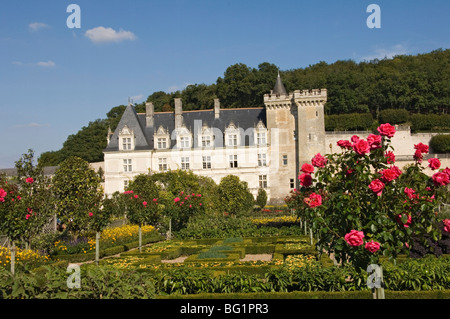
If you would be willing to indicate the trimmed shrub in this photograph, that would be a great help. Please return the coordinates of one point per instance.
(440, 143)
(349, 122)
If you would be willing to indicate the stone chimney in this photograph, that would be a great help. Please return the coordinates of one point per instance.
(216, 108)
(178, 113)
(149, 114)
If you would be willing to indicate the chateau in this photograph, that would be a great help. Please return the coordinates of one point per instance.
(263, 146)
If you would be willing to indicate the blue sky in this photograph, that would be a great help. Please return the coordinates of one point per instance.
(54, 79)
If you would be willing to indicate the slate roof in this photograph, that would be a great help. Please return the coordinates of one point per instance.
(243, 118)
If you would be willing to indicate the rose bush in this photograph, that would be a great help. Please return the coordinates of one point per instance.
(368, 206)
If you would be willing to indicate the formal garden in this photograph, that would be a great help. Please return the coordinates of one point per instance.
(178, 235)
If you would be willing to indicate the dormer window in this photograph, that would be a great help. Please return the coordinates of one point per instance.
(207, 137)
(232, 137)
(161, 139)
(184, 138)
(126, 139)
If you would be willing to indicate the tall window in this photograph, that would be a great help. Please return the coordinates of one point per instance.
(262, 181)
(185, 163)
(126, 143)
(261, 138)
(284, 159)
(232, 140)
(262, 160)
(127, 165)
(292, 183)
(233, 161)
(162, 164)
(184, 142)
(162, 142)
(206, 162)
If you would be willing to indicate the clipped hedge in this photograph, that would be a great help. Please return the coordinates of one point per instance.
(349, 122)
(430, 122)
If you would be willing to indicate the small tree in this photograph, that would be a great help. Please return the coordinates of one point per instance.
(261, 198)
(77, 192)
(235, 196)
(99, 219)
(140, 211)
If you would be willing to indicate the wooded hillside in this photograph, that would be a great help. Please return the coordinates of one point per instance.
(417, 84)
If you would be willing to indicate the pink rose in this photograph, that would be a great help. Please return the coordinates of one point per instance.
(3, 193)
(354, 238)
(27, 216)
(440, 179)
(344, 144)
(372, 246)
(354, 138)
(176, 199)
(314, 200)
(154, 199)
(434, 163)
(447, 225)
(374, 141)
(319, 160)
(386, 130)
(144, 203)
(410, 193)
(361, 147)
(29, 180)
(91, 214)
(377, 186)
(307, 168)
(305, 180)
(136, 196)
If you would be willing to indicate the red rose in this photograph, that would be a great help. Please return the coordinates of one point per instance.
(440, 179)
(434, 163)
(422, 148)
(410, 193)
(377, 187)
(29, 180)
(361, 147)
(418, 156)
(355, 138)
(313, 200)
(144, 203)
(386, 130)
(305, 180)
(446, 225)
(354, 238)
(408, 221)
(374, 141)
(372, 246)
(319, 160)
(390, 157)
(307, 168)
(389, 174)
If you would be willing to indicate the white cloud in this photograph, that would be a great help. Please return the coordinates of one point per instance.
(48, 64)
(137, 97)
(105, 35)
(37, 26)
(381, 53)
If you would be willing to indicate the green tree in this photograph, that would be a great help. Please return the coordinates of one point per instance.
(261, 198)
(77, 192)
(235, 197)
